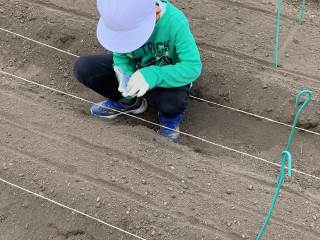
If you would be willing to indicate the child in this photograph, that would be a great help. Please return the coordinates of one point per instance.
(154, 54)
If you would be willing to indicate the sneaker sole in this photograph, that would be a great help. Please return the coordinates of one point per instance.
(141, 109)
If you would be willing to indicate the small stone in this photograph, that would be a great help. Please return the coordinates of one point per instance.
(98, 199)
(144, 182)
(250, 187)
(296, 41)
(5, 167)
(170, 188)
(165, 203)
(185, 187)
(229, 191)
(229, 224)
(153, 233)
(26, 226)
(244, 236)
(314, 218)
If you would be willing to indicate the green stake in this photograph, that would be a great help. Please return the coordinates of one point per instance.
(276, 50)
(286, 156)
(302, 10)
(278, 27)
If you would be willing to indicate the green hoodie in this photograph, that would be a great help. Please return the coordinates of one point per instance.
(170, 58)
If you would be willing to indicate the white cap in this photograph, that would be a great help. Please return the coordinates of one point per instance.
(125, 25)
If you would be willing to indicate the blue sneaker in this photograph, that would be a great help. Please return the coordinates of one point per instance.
(111, 109)
(170, 124)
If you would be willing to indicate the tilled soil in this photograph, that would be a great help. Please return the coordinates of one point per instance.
(121, 171)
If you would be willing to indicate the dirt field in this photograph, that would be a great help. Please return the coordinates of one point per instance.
(123, 173)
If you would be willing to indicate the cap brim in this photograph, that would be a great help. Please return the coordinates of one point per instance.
(125, 42)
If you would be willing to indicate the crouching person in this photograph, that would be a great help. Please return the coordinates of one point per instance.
(153, 53)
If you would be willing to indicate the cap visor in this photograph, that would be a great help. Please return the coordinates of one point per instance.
(125, 42)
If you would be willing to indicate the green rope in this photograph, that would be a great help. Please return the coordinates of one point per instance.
(276, 50)
(286, 156)
(302, 10)
(304, 93)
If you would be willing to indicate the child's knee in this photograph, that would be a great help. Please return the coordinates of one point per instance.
(173, 107)
(80, 69)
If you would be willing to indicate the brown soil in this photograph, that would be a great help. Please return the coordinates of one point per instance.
(121, 171)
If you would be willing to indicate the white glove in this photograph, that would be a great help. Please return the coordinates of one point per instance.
(122, 78)
(137, 86)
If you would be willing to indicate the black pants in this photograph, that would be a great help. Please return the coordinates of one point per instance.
(96, 72)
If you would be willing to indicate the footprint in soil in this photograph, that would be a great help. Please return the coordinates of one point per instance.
(3, 218)
(61, 39)
(78, 235)
(67, 40)
(74, 234)
(71, 235)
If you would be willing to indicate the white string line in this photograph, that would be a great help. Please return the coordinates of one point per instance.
(41, 43)
(191, 96)
(255, 115)
(159, 125)
(69, 208)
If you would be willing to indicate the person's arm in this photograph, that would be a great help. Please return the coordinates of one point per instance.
(124, 63)
(188, 68)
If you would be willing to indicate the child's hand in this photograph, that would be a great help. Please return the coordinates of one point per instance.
(122, 78)
(137, 86)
